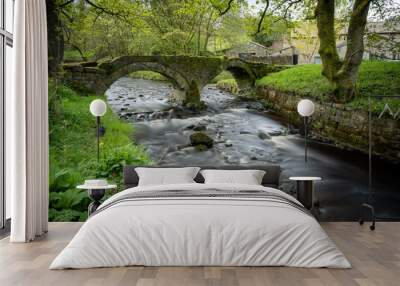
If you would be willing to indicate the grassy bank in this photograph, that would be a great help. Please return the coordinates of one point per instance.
(148, 75)
(375, 78)
(229, 85)
(73, 151)
(226, 81)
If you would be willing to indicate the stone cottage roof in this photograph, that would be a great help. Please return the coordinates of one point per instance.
(244, 45)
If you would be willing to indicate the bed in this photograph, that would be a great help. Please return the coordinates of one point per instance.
(198, 224)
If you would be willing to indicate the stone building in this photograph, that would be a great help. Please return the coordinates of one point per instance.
(249, 49)
(382, 41)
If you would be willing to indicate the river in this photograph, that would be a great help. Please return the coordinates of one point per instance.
(245, 133)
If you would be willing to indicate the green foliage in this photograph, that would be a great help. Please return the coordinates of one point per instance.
(379, 78)
(271, 30)
(228, 85)
(114, 159)
(222, 76)
(66, 215)
(73, 140)
(173, 27)
(376, 105)
(54, 101)
(61, 179)
(375, 78)
(305, 80)
(70, 199)
(148, 75)
(71, 54)
(73, 152)
(226, 81)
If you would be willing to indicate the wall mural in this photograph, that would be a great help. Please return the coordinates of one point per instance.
(212, 96)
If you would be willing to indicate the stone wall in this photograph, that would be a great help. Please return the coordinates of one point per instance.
(269, 60)
(346, 127)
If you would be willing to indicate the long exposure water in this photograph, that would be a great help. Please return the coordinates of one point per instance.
(244, 133)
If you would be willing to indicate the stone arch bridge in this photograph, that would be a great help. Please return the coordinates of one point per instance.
(188, 74)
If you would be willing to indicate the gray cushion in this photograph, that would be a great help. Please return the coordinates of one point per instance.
(270, 179)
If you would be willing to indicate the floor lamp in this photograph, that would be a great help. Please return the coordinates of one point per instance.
(98, 108)
(305, 108)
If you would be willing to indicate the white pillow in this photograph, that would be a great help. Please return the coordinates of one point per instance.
(247, 177)
(166, 176)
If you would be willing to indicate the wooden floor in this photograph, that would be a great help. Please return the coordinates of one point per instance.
(375, 257)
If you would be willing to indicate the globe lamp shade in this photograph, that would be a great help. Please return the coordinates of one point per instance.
(305, 107)
(98, 107)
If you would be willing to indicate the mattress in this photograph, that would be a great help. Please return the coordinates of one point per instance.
(201, 225)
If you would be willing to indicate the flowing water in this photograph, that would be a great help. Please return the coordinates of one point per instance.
(244, 133)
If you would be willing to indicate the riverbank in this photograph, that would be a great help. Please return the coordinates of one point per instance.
(73, 151)
(345, 125)
(375, 78)
(244, 133)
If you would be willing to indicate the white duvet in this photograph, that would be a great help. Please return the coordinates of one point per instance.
(200, 231)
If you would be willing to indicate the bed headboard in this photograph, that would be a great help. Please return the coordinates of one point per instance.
(271, 177)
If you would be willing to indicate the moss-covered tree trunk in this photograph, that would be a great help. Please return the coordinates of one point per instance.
(55, 36)
(342, 73)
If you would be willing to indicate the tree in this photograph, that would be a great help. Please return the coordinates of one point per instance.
(340, 72)
(55, 35)
(56, 28)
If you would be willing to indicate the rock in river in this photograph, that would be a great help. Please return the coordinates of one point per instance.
(201, 138)
(263, 135)
(200, 128)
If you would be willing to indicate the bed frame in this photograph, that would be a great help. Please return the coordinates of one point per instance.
(271, 177)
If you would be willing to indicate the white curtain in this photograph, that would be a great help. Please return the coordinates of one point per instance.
(27, 124)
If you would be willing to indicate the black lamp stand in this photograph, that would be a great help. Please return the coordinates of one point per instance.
(98, 137)
(368, 205)
(305, 137)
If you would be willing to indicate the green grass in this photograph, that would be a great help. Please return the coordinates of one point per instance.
(74, 55)
(148, 75)
(229, 85)
(226, 81)
(375, 78)
(73, 139)
(303, 80)
(222, 76)
(73, 151)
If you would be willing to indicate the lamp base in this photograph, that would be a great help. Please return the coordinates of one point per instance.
(95, 195)
(372, 209)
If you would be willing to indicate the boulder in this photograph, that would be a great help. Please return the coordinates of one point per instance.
(228, 144)
(201, 138)
(200, 128)
(263, 135)
(190, 127)
(201, 148)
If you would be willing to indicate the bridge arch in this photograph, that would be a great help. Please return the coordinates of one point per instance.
(242, 72)
(126, 65)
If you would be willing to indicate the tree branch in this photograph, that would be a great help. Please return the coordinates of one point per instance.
(355, 37)
(260, 22)
(104, 10)
(67, 16)
(65, 4)
(226, 10)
